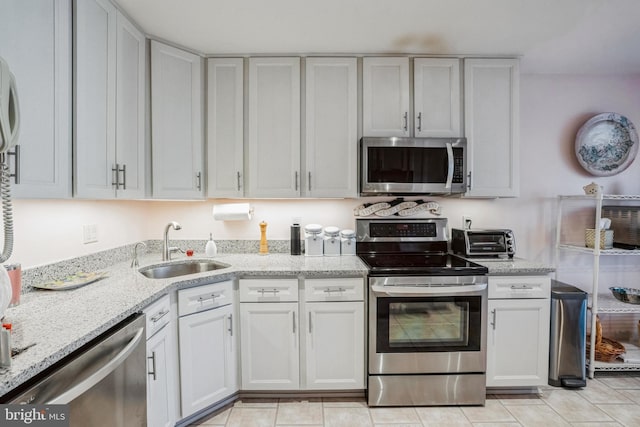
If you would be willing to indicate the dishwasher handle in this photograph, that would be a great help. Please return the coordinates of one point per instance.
(100, 373)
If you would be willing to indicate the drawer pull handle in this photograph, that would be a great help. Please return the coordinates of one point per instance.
(522, 287)
(231, 324)
(329, 290)
(213, 297)
(493, 319)
(159, 316)
(274, 291)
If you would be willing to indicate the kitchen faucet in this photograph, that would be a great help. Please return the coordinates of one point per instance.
(166, 250)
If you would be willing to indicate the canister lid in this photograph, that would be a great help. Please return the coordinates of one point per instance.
(313, 228)
(331, 231)
(347, 233)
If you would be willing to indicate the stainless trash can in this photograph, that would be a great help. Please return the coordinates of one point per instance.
(567, 347)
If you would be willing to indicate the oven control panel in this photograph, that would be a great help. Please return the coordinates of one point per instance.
(403, 229)
(399, 230)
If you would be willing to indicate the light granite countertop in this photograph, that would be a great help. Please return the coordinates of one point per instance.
(60, 322)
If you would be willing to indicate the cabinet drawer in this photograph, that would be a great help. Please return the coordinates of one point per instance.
(519, 287)
(205, 297)
(157, 315)
(334, 289)
(268, 290)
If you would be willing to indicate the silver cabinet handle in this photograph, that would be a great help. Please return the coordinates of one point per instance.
(238, 178)
(231, 324)
(124, 176)
(294, 322)
(296, 180)
(153, 365)
(493, 319)
(212, 297)
(310, 326)
(522, 287)
(329, 290)
(199, 181)
(100, 374)
(469, 180)
(115, 178)
(309, 181)
(419, 121)
(406, 120)
(16, 158)
(159, 316)
(274, 291)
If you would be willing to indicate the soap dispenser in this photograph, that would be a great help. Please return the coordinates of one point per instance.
(211, 249)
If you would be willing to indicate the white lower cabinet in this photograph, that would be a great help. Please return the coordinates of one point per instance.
(270, 346)
(161, 365)
(208, 351)
(316, 343)
(335, 345)
(518, 331)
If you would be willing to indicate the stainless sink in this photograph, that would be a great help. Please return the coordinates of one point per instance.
(180, 268)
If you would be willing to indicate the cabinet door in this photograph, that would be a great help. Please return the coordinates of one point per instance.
(95, 98)
(161, 390)
(176, 123)
(331, 139)
(225, 170)
(436, 89)
(385, 97)
(270, 352)
(491, 105)
(130, 109)
(274, 127)
(207, 358)
(35, 40)
(335, 345)
(518, 342)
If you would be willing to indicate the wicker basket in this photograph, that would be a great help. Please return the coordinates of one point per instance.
(606, 238)
(607, 350)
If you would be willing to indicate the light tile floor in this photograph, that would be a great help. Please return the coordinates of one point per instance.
(608, 400)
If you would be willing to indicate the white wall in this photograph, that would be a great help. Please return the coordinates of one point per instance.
(553, 107)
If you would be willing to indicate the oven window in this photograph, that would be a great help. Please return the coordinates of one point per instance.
(428, 324)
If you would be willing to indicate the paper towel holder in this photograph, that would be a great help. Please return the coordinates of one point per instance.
(233, 212)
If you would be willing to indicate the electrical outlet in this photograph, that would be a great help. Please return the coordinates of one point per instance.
(90, 233)
(466, 222)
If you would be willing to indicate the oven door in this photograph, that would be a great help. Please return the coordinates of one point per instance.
(419, 328)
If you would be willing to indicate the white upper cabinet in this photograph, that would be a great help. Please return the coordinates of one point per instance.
(109, 103)
(491, 105)
(436, 88)
(130, 110)
(331, 139)
(225, 152)
(274, 127)
(176, 123)
(35, 40)
(385, 96)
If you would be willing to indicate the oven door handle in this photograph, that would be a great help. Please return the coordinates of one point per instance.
(407, 291)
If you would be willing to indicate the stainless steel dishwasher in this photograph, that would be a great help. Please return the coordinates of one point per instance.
(104, 383)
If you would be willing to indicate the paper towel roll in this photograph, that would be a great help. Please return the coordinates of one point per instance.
(232, 212)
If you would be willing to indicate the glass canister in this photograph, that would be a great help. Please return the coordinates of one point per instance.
(331, 241)
(348, 242)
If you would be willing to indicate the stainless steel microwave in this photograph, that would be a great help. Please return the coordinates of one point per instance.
(405, 166)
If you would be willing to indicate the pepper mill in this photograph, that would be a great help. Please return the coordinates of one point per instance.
(264, 248)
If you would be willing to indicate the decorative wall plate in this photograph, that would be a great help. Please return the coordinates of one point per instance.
(606, 144)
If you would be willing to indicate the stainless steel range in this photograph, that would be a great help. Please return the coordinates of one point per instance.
(427, 315)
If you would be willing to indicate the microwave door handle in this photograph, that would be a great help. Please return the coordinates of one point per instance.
(449, 166)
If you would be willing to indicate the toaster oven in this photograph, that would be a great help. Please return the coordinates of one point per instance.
(483, 243)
